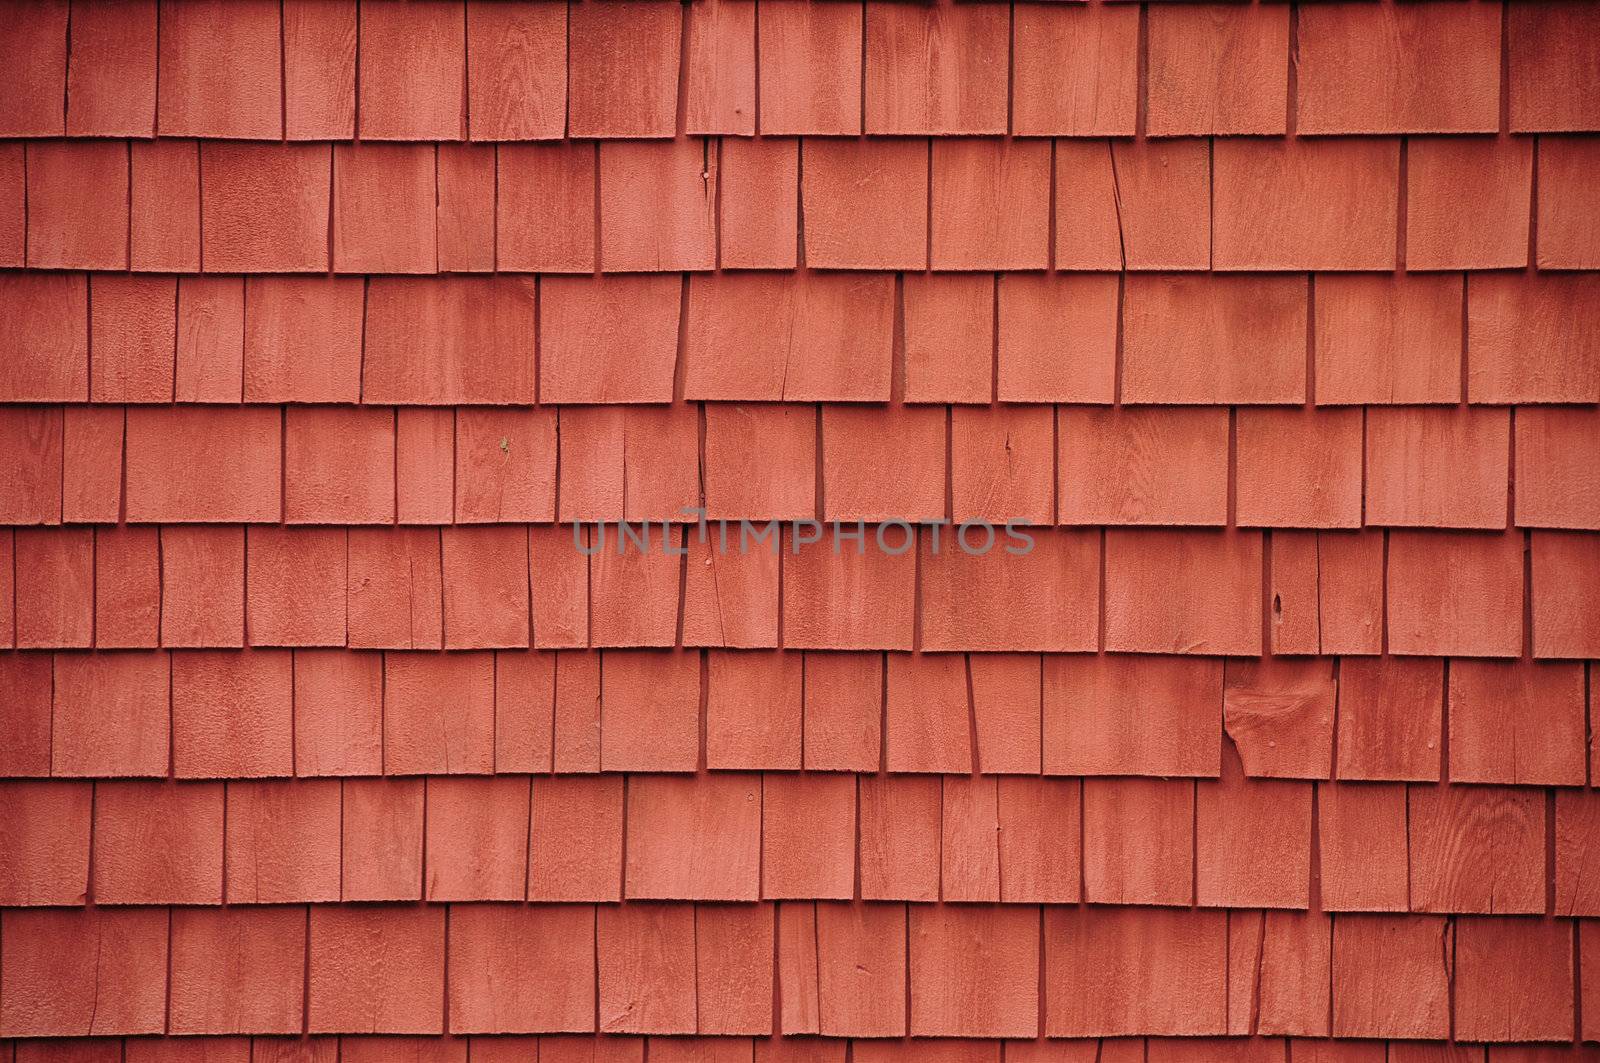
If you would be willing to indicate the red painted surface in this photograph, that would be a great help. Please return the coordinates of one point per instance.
(1270, 327)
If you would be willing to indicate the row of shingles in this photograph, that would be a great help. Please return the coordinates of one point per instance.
(625, 1049)
(503, 71)
(872, 203)
(1166, 591)
(1443, 467)
(805, 337)
(741, 837)
(875, 970)
(337, 713)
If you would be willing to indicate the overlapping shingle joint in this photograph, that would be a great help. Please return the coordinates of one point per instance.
(1270, 327)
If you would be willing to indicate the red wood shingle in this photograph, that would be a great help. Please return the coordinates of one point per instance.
(847, 600)
(694, 837)
(338, 465)
(658, 205)
(1565, 575)
(865, 203)
(127, 587)
(1183, 591)
(516, 71)
(990, 198)
(516, 970)
(1517, 722)
(411, 67)
(1075, 70)
(52, 312)
(1218, 69)
(283, 841)
(232, 714)
(623, 69)
(937, 69)
(1445, 467)
(1456, 593)
(1098, 960)
(394, 596)
(805, 337)
(950, 337)
(585, 324)
(546, 213)
(164, 189)
(720, 53)
(843, 714)
(111, 70)
(734, 970)
(385, 199)
(1143, 465)
(1370, 954)
(356, 950)
(810, 71)
(1090, 728)
(54, 588)
(1425, 68)
(287, 573)
(210, 350)
(1389, 719)
(1388, 339)
(1527, 340)
(974, 971)
(466, 208)
(1022, 590)
(202, 586)
(1057, 338)
(91, 690)
(475, 845)
(1299, 468)
(1568, 235)
(1185, 339)
(505, 465)
(1279, 713)
(319, 69)
(1495, 175)
(159, 843)
(652, 711)
(382, 846)
(1513, 979)
(1550, 44)
(927, 714)
(1253, 840)
(758, 220)
(575, 852)
(1461, 864)
(237, 970)
(242, 479)
(753, 709)
(35, 61)
(221, 70)
(438, 713)
(1306, 203)
(75, 972)
(861, 969)
(1138, 841)
(264, 207)
(1001, 464)
(338, 706)
(68, 181)
(133, 328)
(644, 952)
(440, 341)
(884, 464)
(44, 858)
